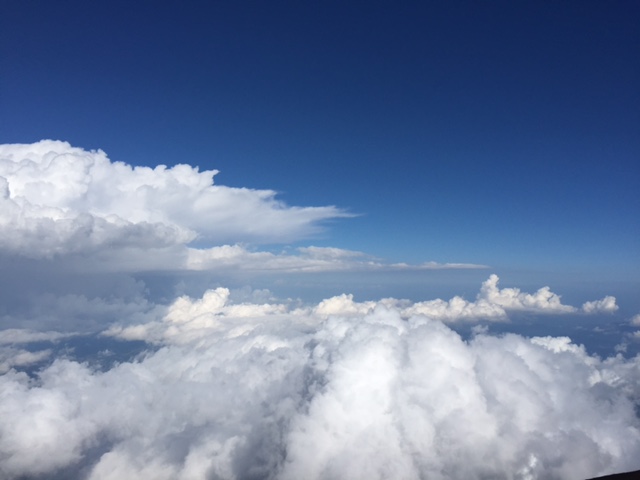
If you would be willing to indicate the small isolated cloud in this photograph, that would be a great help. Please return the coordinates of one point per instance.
(635, 320)
(605, 305)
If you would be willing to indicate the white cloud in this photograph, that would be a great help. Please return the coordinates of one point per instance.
(514, 299)
(16, 357)
(605, 305)
(457, 309)
(187, 318)
(343, 305)
(23, 335)
(264, 391)
(304, 259)
(491, 303)
(59, 199)
(635, 320)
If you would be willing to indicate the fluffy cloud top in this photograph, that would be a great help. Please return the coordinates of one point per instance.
(255, 390)
(607, 304)
(187, 318)
(55, 198)
(492, 303)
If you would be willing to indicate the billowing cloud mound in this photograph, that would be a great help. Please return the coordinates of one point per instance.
(56, 198)
(258, 391)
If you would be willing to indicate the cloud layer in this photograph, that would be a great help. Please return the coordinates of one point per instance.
(254, 390)
(341, 389)
(188, 318)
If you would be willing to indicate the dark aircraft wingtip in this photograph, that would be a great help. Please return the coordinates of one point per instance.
(620, 476)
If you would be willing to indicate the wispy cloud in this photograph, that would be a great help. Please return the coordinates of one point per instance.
(11, 357)
(305, 259)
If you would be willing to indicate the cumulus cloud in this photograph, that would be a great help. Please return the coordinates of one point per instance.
(491, 303)
(252, 390)
(187, 318)
(58, 199)
(514, 299)
(605, 305)
(543, 300)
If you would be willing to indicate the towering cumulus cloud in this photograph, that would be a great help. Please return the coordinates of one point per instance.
(235, 384)
(58, 199)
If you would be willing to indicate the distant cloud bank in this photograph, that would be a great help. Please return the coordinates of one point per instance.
(186, 317)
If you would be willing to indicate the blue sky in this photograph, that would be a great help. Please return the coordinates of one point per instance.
(505, 134)
(286, 240)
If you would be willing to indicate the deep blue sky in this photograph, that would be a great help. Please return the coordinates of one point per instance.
(501, 133)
